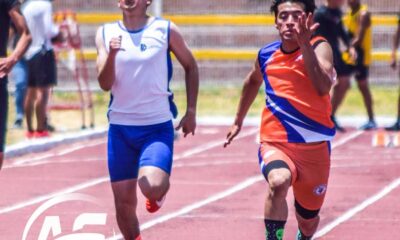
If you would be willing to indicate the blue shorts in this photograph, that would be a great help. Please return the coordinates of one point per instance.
(133, 147)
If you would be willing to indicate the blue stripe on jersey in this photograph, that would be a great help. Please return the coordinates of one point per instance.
(279, 104)
(172, 106)
(109, 104)
(104, 35)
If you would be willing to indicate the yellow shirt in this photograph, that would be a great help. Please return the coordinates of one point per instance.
(352, 22)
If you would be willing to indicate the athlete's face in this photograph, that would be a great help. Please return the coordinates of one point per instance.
(130, 5)
(287, 19)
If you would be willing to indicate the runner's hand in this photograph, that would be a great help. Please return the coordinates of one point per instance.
(187, 124)
(306, 29)
(115, 44)
(353, 54)
(6, 65)
(233, 132)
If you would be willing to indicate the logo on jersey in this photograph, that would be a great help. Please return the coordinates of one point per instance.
(320, 190)
(143, 47)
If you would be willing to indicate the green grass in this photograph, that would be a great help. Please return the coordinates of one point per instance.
(217, 101)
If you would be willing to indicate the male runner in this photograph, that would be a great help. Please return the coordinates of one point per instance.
(296, 127)
(358, 23)
(134, 63)
(329, 16)
(9, 10)
(393, 64)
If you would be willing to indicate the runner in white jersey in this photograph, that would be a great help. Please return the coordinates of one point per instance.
(134, 63)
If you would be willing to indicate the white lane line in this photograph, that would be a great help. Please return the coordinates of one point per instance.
(97, 181)
(218, 143)
(50, 155)
(213, 163)
(360, 207)
(189, 208)
(346, 139)
(51, 195)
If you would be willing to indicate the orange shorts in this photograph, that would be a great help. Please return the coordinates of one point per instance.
(309, 166)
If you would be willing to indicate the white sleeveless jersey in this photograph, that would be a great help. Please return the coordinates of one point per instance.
(140, 94)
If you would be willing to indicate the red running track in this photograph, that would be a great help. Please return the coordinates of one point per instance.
(216, 193)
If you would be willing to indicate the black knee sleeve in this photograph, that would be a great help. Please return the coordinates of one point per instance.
(305, 213)
(274, 165)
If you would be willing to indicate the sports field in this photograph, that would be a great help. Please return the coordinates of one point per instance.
(58, 187)
(213, 102)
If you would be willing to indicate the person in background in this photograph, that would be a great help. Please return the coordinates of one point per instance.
(19, 75)
(358, 23)
(9, 12)
(393, 64)
(329, 17)
(38, 14)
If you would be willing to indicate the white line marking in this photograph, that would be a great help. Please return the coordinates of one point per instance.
(353, 211)
(51, 195)
(346, 139)
(189, 208)
(49, 155)
(218, 143)
(213, 163)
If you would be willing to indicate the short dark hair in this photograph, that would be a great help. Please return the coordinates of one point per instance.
(309, 5)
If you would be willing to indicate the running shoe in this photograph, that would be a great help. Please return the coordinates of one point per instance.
(395, 127)
(337, 125)
(370, 125)
(41, 134)
(18, 124)
(300, 237)
(153, 207)
(30, 134)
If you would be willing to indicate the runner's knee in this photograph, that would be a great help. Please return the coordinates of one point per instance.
(279, 182)
(153, 189)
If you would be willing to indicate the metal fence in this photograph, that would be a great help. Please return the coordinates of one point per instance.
(211, 33)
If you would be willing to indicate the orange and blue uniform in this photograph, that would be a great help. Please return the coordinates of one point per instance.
(296, 127)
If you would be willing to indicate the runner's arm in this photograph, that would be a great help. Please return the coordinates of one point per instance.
(185, 57)
(252, 84)
(106, 61)
(319, 66)
(365, 22)
(18, 20)
(318, 61)
(396, 43)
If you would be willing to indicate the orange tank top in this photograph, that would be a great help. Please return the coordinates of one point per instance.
(294, 111)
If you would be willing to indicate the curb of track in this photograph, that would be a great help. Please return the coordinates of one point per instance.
(40, 145)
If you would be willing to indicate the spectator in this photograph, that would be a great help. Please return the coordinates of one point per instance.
(19, 75)
(331, 28)
(9, 11)
(38, 14)
(358, 22)
(396, 42)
